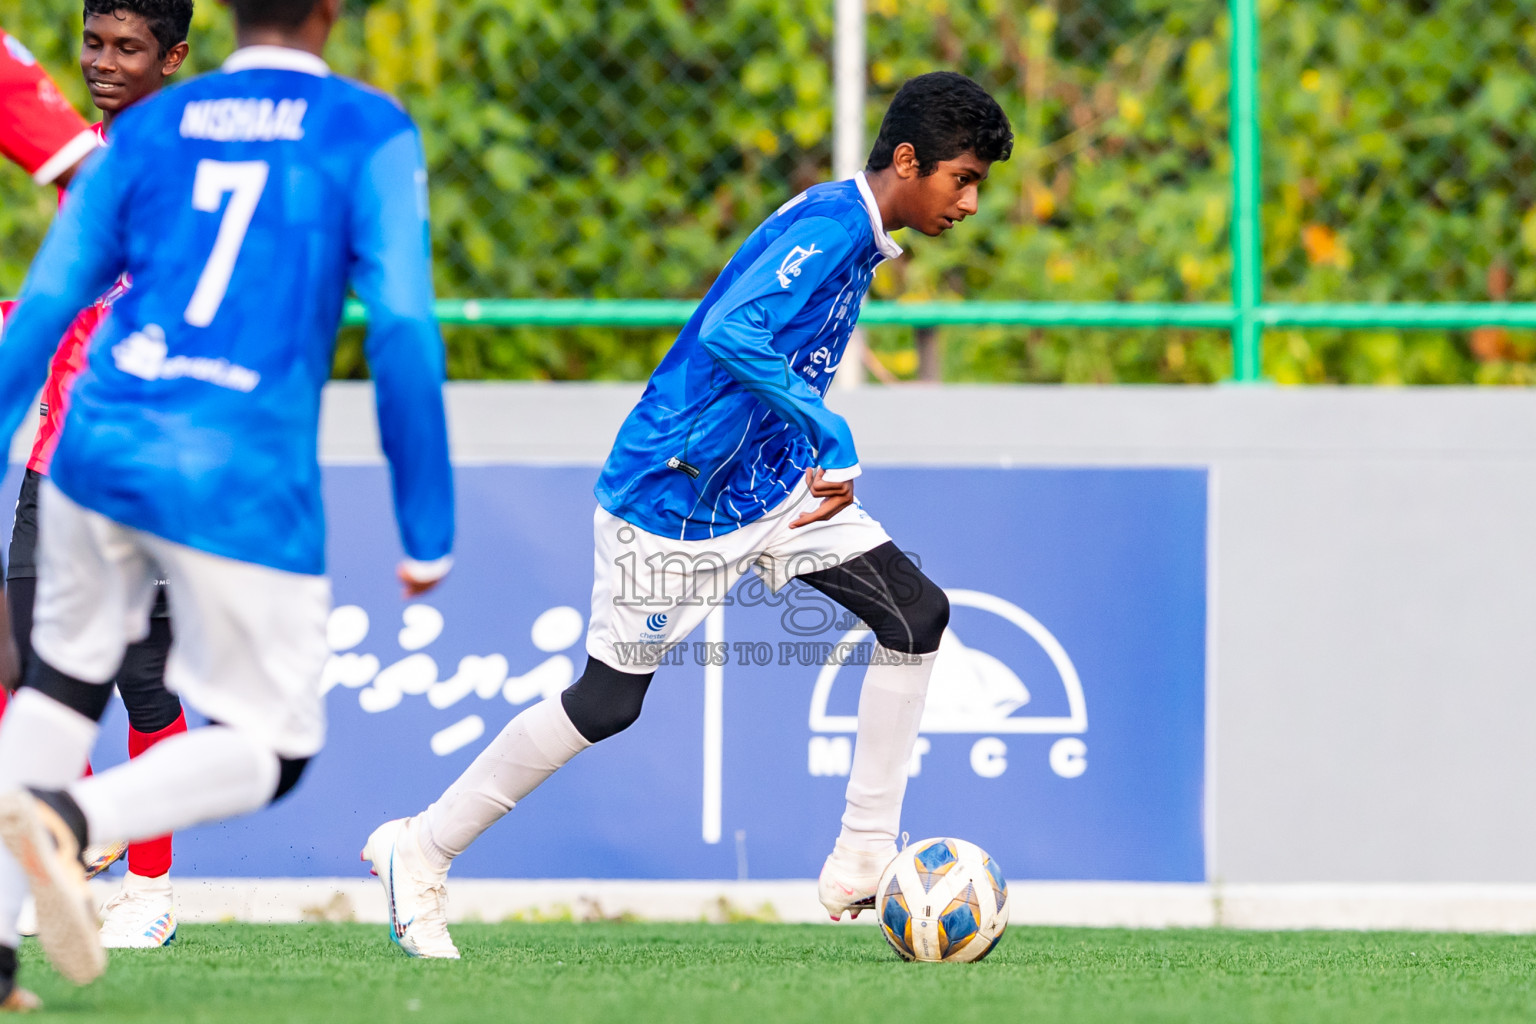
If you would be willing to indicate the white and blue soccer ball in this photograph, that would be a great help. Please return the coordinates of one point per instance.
(942, 900)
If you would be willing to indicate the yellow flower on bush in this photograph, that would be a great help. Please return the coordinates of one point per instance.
(1196, 273)
(1132, 110)
(902, 362)
(1324, 247)
(1528, 231)
(1042, 201)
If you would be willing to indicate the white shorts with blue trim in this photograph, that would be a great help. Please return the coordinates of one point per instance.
(650, 592)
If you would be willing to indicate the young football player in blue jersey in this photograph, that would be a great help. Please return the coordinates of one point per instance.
(243, 204)
(731, 462)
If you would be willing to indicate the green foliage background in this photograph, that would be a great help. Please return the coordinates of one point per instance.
(623, 149)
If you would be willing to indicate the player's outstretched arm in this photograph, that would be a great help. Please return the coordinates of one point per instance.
(81, 256)
(392, 275)
(39, 131)
(739, 332)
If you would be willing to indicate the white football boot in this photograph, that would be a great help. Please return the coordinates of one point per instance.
(415, 890)
(141, 916)
(849, 879)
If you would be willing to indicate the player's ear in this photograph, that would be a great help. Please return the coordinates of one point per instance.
(904, 161)
(173, 59)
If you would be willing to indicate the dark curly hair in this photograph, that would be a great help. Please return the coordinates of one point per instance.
(272, 13)
(168, 19)
(942, 114)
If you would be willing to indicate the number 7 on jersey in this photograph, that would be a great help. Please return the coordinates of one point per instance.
(244, 182)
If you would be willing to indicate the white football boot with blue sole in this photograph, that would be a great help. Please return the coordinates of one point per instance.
(416, 892)
(849, 879)
(141, 916)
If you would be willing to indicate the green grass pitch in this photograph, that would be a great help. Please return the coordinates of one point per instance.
(770, 973)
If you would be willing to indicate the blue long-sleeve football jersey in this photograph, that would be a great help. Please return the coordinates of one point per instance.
(243, 204)
(733, 415)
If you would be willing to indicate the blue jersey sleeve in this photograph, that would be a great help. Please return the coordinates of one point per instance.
(80, 258)
(739, 332)
(392, 275)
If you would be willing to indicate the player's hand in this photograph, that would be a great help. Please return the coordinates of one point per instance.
(834, 498)
(420, 577)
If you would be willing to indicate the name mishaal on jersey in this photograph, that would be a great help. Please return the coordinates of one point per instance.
(244, 120)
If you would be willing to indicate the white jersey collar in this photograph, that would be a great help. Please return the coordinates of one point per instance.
(275, 58)
(884, 242)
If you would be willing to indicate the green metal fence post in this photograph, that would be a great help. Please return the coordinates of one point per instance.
(1247, 265)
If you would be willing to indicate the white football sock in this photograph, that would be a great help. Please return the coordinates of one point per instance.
(890, 710)
(42, 744)
(206, 774)
(524, 754)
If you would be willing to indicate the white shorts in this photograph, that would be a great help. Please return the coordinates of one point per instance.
(249, 641)
(650, 592)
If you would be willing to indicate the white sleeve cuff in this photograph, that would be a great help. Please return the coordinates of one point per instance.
(73, 151)
(427, 572)
(837, 476)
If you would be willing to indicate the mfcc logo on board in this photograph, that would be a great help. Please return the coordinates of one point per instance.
(975, 690)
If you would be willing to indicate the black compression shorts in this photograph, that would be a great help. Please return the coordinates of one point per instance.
(23, 560)
(141, 678)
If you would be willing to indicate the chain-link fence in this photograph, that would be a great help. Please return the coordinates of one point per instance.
(1118, 189)
(623, 149)
(601, 150)
(1400, 165)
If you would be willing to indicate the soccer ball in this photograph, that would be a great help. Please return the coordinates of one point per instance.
(942, 899)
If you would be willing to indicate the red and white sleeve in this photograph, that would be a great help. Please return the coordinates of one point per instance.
(39, 130)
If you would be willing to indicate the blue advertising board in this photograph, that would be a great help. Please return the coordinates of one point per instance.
(1064, 732)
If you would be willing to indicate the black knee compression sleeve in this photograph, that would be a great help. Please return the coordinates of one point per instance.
(19, 595)
(906, 610)
(604, 700)
(141, 681)
(90, 699)
(289, 771)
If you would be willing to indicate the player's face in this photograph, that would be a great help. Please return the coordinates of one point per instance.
(120, 58)
(948, 195)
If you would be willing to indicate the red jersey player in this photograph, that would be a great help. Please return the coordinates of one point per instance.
(128, 49)
(43, 135)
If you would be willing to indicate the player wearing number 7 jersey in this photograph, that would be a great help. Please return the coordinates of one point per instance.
(244, 204)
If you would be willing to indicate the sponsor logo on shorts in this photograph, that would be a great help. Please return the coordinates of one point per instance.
(655, 629)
